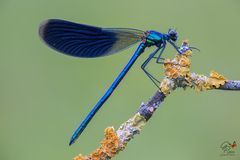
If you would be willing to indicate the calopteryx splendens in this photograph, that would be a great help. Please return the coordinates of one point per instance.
(82, 40)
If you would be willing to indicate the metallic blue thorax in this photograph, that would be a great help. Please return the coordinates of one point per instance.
(154, 38)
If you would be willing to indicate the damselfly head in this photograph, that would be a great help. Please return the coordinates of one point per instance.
(173, 35)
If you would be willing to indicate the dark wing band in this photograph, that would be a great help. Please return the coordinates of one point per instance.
(82, 40)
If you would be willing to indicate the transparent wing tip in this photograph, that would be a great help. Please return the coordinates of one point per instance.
(43, 26)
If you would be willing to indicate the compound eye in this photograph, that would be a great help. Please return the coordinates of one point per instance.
(174, 37)
(173, 34)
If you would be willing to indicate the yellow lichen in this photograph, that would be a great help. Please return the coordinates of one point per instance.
(188, 53)
(201, 83)
(138, 121)
(166, 86)
(216, 75)
(184, 61)
(216, 79)
(184, 71)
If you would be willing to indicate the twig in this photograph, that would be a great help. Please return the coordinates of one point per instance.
(177, 74)
(231, 85)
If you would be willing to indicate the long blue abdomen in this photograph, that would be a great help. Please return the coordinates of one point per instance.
(85, 122)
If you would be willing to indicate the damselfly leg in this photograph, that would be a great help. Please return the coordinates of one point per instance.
(155, 81)
(159, 58)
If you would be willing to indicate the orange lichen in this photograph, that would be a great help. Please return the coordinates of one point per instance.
(98, 154)
(179, 66)
(80, 157)
(111, 142)
(170, 70)
(109, 147)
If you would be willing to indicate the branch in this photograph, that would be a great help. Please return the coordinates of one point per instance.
(177, 75)
(116, 141)
(231, 85)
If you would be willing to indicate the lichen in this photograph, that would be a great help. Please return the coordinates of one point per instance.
(128, 129)
(109, 147)
(178, 74)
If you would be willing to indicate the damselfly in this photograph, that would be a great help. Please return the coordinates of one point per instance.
(82, 40)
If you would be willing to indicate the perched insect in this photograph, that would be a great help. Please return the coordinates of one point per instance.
(82, 40)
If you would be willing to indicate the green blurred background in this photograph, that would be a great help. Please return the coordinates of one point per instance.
(45, 95)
